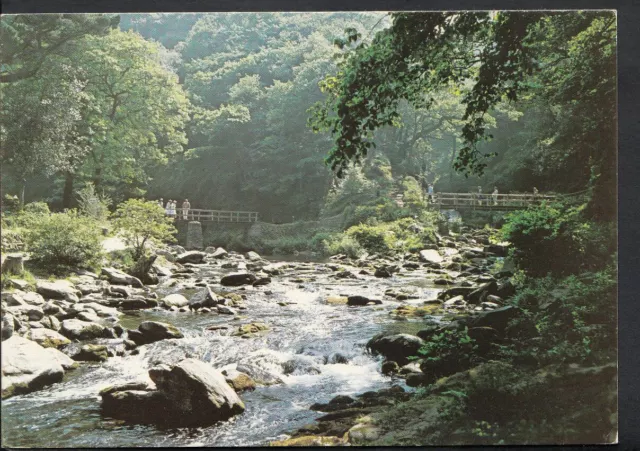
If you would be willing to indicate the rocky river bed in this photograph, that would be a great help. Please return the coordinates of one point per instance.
(294, 339)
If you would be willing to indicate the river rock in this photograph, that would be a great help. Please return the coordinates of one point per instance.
(198, 394)
(7, 326)
(361, 300)
(239, 381)
(205, 298)
(32, 298)
(152, 331)
(479, 295)
(259, 375)
(237, 279)
(137, 304)
(51, 322)
(250, 330)
(226, 310)
(191, 257)
(174, 300)
(395, 347)
(253, 256)
(497, 319)
(48, 338)
(87, 353)
(13, 299)
(60, 289)
(117, 277)
(216, 252)
(430, 256)
(27, 366)
(76, 329)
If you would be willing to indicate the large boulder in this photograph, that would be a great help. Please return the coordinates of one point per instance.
(152, 331)
(48, 338)
(27, 366)
(60, 289)
(117, 277)
(398, 347)
(237, 279)
(430, 256)
(497, 319)
(191, 257)
(191, 394)
(479, 295)
(76, 329)
(253, 256)
(205, 298)
(175, 300)
(218, 253)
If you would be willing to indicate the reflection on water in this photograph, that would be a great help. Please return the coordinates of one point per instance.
(309, 332)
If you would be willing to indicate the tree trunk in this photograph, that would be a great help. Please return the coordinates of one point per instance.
(97, 177)
(67, 193)
(453, 158)
(24, 186)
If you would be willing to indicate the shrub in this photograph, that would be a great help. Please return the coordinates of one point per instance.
(64, 241)
(556, 238)
(341, 243)
(141, 222)
(372, 238)
(37, 208)
(94, 204)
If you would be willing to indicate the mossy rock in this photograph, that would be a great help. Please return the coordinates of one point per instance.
(417, 311)
(310, 440)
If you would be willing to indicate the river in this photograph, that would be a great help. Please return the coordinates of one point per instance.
(310, 334)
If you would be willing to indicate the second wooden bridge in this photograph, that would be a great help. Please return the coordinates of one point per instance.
(197, 214)
(477, 201)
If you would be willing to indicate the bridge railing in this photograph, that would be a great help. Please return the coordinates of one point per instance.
(197, 214)
(488, 199)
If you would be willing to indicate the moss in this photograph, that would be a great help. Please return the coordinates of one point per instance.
(417, 311)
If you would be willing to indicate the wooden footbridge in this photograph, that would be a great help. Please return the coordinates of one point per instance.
(476, 201)
(196, 214)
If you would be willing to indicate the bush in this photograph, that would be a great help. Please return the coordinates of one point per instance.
(141, 222)
(556, 238)
(340, 243)
(64, 241)
(94, 204)
(36, 208)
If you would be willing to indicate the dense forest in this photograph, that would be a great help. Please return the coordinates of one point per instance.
(227, 100)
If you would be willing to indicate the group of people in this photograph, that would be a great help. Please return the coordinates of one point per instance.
(171, 208)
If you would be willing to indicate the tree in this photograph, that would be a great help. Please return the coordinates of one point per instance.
(141, 222)
(30, 42)
(136, 113)
(41, 124)
(492, 57)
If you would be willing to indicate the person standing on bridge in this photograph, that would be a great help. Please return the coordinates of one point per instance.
(480, 196)
(161, 203)
(495, 195)
(430, 193)
(167, 208)
(185, 209)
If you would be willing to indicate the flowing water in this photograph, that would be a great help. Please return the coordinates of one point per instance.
(309, 334)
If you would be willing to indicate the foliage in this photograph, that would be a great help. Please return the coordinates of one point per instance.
(556, 237)
(407, 234)
(575, 316)
(339, 243)
(63, 241)
(31, 40)
(450, 348)
(93, 204)
(141, 223)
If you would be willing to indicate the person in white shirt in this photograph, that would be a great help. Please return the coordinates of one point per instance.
(495, 195)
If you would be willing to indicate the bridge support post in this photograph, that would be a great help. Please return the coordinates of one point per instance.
(194, 235)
